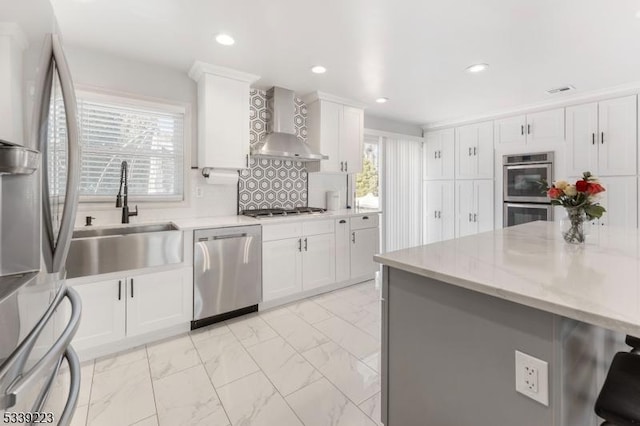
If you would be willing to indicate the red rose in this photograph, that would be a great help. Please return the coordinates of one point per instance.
(582, 185)
(594, 188)
(554, 193)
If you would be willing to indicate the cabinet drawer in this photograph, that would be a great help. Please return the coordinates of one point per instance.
(281, 231)
(318, 227)
(365, 221)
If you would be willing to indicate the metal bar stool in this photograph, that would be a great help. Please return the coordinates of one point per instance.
(619, 399)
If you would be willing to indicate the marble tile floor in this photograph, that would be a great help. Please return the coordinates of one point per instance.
(314, 363)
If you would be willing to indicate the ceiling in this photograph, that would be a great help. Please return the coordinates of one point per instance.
(411, 51)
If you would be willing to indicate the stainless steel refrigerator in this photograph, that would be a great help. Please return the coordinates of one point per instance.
(39, 173)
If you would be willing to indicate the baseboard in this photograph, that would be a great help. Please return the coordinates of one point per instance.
(313, 292)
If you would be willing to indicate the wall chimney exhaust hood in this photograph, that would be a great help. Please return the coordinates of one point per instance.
(281, 141)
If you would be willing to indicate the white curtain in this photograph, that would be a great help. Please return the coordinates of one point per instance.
(402, 193)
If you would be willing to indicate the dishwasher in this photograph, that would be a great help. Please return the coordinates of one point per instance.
(227, 273)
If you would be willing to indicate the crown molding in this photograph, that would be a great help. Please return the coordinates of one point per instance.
(565, 101)
(199, 68)
(13, 30)
(323, 96)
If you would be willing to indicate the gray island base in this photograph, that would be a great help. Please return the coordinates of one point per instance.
(449, 334)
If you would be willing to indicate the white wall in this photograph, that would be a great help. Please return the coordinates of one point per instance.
(392, 126)
(111, 73)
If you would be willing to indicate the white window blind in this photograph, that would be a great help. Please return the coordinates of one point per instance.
(150, 139)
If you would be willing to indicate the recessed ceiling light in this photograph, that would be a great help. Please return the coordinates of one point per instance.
(225, 39)
(318, 69)
(382, 100)
(477, 68)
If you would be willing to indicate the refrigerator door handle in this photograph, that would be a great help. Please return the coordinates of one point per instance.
(60, 248)
(52, 356)
(74, 388)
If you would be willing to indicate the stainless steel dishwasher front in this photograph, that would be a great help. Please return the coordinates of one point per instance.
(227, 273)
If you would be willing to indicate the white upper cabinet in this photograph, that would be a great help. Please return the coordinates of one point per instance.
(582, 146)
(601, 138)
(336, 129)
(617, 152)
(474, 151)
(511, 130)
(439, 155)
(621, 201)
(534, 128)
(223, 116)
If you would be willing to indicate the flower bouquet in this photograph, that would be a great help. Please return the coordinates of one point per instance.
(580, 201)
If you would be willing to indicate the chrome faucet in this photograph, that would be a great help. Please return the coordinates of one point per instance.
(124, 182)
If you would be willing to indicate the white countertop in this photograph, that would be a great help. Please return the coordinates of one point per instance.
(598, 283)
(226, 221)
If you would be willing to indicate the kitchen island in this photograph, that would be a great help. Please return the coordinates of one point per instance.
(455, 312)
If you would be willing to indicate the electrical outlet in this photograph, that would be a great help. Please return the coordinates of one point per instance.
(532, 378)
(199, 192)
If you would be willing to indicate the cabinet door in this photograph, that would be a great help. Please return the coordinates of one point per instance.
(466, 142)
(582, 139)
(620, 200)
(484, 151)
(223, 132)
(439, 155)
(281, 268)
(433, 212)
(545, 126)
(511, 130)
(617, 152)
(103, 313)
(483, 199)
(364, 245)
(447, 215)
(465, 208)
(318, 261)
(342, 253)
(351, 143)
(330, 134)
(159, 300)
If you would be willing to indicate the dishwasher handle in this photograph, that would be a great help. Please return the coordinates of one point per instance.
(227, 237)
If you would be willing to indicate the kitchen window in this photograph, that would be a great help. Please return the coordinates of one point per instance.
(150, 136)
(368, 181)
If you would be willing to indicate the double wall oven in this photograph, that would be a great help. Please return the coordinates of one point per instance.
(524, 198)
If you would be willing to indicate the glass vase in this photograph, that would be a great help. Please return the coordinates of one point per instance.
(573, 226)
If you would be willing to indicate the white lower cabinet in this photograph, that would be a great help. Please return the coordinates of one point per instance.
(281, 268)
(439, 211)
(364, 245)
(318, 261)
(130, 306)
(474, 207)
(343, 250)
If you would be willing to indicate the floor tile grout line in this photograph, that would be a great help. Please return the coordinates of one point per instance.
(374, 420)
(215, 390)
(93, 373)
(153, 388)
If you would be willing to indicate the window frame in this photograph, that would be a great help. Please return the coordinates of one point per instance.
(139, 101)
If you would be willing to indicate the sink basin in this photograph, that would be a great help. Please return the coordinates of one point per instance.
(123, 230)
(96, 251)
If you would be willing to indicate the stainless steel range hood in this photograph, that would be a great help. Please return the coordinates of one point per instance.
(281, 141)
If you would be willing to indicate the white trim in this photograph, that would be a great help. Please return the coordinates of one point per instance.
(323, 96)
(383, 134)
(564, 101)
(13, 30)
(199, 68)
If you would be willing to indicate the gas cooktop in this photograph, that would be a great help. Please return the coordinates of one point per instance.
(282, 212)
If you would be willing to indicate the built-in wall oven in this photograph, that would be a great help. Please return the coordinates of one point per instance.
(524, 198)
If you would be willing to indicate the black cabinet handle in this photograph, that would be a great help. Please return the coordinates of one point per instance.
(346, 166)
(602, 138)
(342, 166)
(522, 129)
(119, 289)
(343, 221)
(365, 217)
(299, 244)
(353, 237)
(305, 245)
(528, 129)
(132, 288)
(593, 138)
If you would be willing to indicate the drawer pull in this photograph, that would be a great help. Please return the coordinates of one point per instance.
(343, 221)
(365, 217)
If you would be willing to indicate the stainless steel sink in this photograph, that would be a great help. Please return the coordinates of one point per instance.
(124, 230)
(123, 248)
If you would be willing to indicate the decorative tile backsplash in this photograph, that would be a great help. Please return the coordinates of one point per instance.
(272, 183)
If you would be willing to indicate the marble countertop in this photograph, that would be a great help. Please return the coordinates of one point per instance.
(530, 264)
(226, 221)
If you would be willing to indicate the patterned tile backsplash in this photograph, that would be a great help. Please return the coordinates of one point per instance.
(272, 183)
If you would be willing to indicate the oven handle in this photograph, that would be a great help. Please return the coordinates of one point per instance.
(53, 354)
(527, 166)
